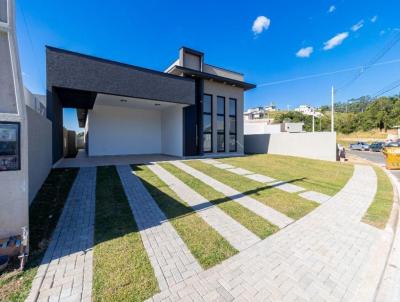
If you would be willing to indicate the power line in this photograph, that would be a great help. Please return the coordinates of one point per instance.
(387, 88)
(316, 75)
(372, 62)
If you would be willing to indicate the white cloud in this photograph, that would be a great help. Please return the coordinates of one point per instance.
(358, 25)
(374, 18)
(335, 41)
(305, 52)
(260, 23)
(331, 9)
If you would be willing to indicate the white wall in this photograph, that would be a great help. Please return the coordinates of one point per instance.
(260, 128)
(172, 131)
(314, 145)
(121, 131)
(39, 150)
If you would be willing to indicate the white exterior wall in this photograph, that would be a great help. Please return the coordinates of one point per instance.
(261, 128)
(172, 131)
(122, 131)
(314, 145)
(117, 130)
(39, 150)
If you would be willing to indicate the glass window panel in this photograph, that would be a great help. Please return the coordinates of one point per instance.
(232, 107)
(232, 143)
(207, 143)
(207, 103)
(207, 125)
(232, 125)
(220, 123)
(220, 105)
(221, 142)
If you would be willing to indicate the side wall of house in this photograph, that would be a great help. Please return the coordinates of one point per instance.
(172, 131)
(39, 150)
(227, 91)
(121, 131)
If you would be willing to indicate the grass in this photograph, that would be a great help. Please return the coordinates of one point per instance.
(291, 205)
(206, 244)
(255, 223)
(379, 211)
(122, 269)
(317, 175)
(44, 213)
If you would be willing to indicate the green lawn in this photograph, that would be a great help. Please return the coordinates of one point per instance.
(208, 246)
(122, 269)
(258, 225)
(321, 176)
(379, 211)
(44, 213)
(289, 204)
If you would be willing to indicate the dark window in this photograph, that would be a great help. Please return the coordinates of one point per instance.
(9, 146)
(232, 125)
(207, 123)
(220, 124)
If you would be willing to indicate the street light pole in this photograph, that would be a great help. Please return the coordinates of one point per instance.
(332, 109)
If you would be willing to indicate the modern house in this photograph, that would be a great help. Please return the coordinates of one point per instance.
(190, 109)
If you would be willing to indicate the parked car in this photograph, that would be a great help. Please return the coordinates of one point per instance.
(362, 146)
(376, 146)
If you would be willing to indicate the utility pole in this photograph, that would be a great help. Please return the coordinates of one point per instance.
(332, 109)
(313, 121)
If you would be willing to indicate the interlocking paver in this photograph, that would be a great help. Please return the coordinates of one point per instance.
(287, 187)
(236, 234)
(260, 178)
(240, 171)
(253, 205)
(69, 255)
(315, 196)
(285, 266)
(169, 255)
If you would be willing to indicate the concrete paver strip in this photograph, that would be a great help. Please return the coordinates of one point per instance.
(260, 178)
(210, 161)
(240, 171)
(170, 258)
(253, 205)
(287, 187)
(236, 234)
(315, 196)
(66, 269)
(321, 257)
(223, 166)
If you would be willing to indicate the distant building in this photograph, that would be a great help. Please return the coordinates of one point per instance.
(308, 110)
(259, 112)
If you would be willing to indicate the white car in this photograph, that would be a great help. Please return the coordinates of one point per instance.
(362, 146)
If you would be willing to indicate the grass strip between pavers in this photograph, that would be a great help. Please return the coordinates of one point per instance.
(122, 269)
(205, 243)
(253, 222)
(379, 211)
(289, 204)
(318, 175)
(44, 212)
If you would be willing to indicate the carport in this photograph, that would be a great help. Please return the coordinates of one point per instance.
(122, 107)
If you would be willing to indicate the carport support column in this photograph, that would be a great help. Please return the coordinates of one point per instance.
(55, 115)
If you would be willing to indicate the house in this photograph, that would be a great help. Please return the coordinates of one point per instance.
(190, 109)
(254, 113)
(308, 110)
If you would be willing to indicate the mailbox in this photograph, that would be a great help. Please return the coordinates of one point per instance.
(10, 154)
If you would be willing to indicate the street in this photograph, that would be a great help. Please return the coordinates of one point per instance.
(376, 157)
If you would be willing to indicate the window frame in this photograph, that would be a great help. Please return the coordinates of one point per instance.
(230, 132)
(211, 118)
(18, 145)
(221, 132)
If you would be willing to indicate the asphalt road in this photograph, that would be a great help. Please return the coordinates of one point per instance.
(376, 157)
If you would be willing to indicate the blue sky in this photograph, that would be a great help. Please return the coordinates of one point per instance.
(149, 34)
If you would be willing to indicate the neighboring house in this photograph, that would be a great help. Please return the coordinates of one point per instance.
(308, 110)
(36, 101)
(190, 109)
(259, 112)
